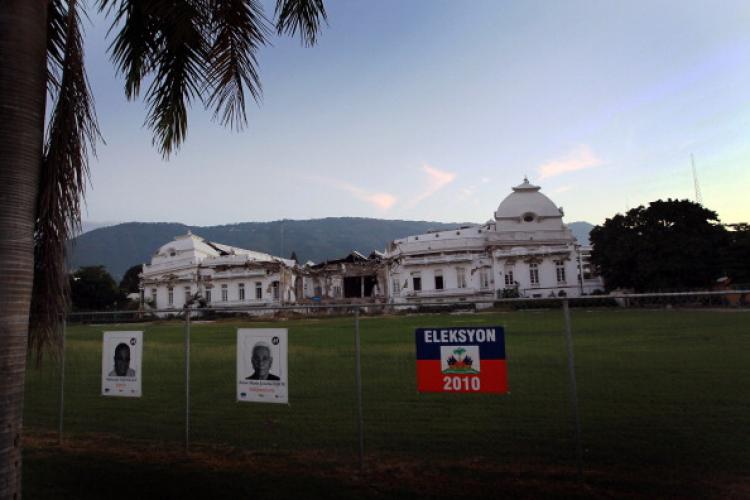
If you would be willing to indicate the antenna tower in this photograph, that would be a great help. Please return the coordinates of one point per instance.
(696, 186)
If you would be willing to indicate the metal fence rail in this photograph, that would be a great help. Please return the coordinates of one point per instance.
(362, 386)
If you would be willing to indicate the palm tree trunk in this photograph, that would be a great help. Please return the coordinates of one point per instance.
(23, 40)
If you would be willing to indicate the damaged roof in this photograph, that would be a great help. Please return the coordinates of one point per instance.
(353, 258)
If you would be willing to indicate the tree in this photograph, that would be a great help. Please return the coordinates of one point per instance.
(130, 282)
(667, 245)
(92, 288)
(190, 50)
(735, 261)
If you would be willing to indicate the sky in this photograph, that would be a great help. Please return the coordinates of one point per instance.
(434, 109)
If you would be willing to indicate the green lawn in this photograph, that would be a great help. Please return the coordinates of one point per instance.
(666, 388)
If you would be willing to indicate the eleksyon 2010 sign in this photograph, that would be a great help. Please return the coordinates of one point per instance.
(461, 359)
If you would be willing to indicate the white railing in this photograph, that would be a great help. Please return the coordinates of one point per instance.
(438, 259)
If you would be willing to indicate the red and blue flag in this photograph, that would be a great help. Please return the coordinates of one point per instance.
(461, 359)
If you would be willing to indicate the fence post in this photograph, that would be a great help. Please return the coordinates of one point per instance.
(62, 384)
(573, 389)
(358, 378)
(187, 380)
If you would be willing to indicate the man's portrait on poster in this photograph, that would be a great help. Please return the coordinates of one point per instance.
(122, 362)
(261, 361)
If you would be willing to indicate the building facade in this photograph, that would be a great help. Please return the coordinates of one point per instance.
(355, 278)
(524, 251)
(191, 270)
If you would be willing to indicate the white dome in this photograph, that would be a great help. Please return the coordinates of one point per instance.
(525, 201)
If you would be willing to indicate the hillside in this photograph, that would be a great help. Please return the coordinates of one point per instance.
(121, 246)
(581, 231)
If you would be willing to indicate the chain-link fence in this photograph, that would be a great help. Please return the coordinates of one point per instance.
(634, 382)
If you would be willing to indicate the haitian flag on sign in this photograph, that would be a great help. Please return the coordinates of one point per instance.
(461, 359)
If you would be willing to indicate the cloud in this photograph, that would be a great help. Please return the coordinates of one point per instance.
(436, 180)
(579, 158)
(383, 201)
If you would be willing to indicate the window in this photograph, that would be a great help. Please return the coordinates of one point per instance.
(438, 280)
(208, 295)
(188, 295)
(337, 291)
(224, 293)
(560, 268)
(417, 283)
(484, 278)
(534, 274)
(275, 289)
(460, 277)
(153, 296)
(170, 296)
(396, 287)
(241, 291)
(509, 277)
(258, 290)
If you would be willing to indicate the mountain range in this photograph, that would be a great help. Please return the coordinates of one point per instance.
(121, 246)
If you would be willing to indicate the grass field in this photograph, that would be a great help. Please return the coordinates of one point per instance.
(659, 390)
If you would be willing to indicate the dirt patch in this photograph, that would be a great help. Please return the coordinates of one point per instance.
(391, 475)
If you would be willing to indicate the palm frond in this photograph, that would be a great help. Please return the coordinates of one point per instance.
(237, 30)
(134, 47)
(305, 16)
(179, 71)
(71, 136)
(198, 49)
(56, 32)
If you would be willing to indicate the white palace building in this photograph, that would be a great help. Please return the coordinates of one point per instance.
(191, 270)
(524, 251)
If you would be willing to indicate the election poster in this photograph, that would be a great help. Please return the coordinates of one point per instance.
(262, 375)
(461, 359)
(122, 353)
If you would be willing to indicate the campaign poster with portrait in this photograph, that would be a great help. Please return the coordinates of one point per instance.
(262, 375)
(122, 353)
(461, 359)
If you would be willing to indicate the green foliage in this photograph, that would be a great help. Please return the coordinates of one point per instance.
(672, 244)
(736, 254)
(93, 289)
(130, 281)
